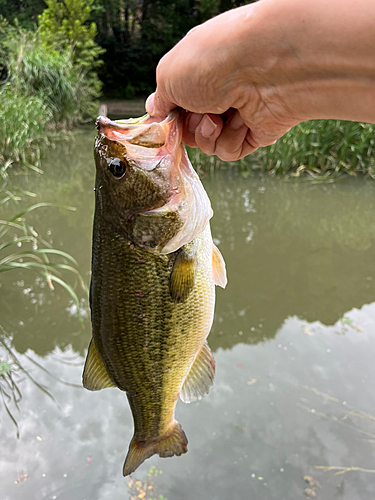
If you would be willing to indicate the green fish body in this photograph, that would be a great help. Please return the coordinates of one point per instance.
(154, 270)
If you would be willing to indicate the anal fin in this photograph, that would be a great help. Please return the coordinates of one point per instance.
(200, 377)
(95, 375)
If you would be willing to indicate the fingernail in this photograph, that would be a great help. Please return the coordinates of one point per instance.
(194, 121)
(149, 105)
(207, 127)
(236, 122)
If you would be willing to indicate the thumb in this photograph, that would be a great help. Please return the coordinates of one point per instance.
(158, 107)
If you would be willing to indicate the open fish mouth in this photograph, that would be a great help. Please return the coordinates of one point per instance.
(144, 138)
(155, 145)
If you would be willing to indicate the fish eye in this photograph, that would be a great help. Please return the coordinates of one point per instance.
(117, 167)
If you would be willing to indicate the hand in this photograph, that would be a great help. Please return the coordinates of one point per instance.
(249, 75)
(205, 73)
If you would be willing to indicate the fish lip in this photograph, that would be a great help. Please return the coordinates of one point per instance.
(104, 121)
(145, 131)
(146, 141)
(133, 123)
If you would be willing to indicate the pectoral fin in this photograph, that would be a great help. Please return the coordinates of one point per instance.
(95, 375)
(218, 268)
(183, 275)
(201, 376)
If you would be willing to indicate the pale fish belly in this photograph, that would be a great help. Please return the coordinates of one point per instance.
(192, 322)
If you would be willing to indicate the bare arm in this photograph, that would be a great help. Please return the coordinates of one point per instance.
(250, 74)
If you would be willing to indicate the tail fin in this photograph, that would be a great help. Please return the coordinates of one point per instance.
(174, 443)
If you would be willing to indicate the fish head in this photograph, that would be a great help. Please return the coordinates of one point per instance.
(146, 184)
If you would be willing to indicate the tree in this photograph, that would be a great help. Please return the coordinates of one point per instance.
(64, 26)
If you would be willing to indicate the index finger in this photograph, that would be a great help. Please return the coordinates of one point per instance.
(155, 106)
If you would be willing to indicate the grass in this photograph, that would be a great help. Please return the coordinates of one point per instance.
(320, 150)
(12, 374)
(342, 470)
(24, 120)
(22, 248)
(353, 414)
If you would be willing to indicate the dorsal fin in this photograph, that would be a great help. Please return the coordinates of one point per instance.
(200, 377)
(95, 375)
(218, 267)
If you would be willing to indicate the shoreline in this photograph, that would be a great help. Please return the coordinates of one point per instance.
(122, 108)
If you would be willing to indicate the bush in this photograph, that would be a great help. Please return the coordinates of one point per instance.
(323, 147)
(53, 77)
(42, 89)
(319, 148)
(24, 119)
(50, 75)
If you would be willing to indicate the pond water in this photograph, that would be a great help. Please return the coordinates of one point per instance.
(293, 338)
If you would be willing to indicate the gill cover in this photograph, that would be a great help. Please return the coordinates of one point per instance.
(153, 145)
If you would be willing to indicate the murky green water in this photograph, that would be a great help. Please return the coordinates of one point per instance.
(293, 338)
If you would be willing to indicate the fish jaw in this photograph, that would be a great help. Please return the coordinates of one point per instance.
(192, 205)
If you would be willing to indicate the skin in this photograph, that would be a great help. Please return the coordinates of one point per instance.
(249, 75)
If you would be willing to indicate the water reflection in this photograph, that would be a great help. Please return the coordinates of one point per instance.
(293, 335)
(279, 409)
(291, 249)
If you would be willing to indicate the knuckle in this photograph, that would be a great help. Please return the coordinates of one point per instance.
(226, 155)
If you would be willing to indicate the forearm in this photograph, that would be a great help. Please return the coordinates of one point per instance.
(315, 58)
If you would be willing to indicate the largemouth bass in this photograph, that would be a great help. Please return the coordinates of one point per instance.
(154, 270)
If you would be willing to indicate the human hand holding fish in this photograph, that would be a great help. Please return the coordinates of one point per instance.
(247, 76)
(154, 271)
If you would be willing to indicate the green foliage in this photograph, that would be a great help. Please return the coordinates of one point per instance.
(137, 33)
(42, 90)
(65, 90)
(4, 367)
(320, 149)
(145, 489)
(24, 119)
(64, 26)
(64, 29)
(24, 11)
(323, 147)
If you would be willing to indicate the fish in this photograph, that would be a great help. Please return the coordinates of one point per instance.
(154, 271)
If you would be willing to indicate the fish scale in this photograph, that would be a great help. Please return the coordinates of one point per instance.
(148, 355)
